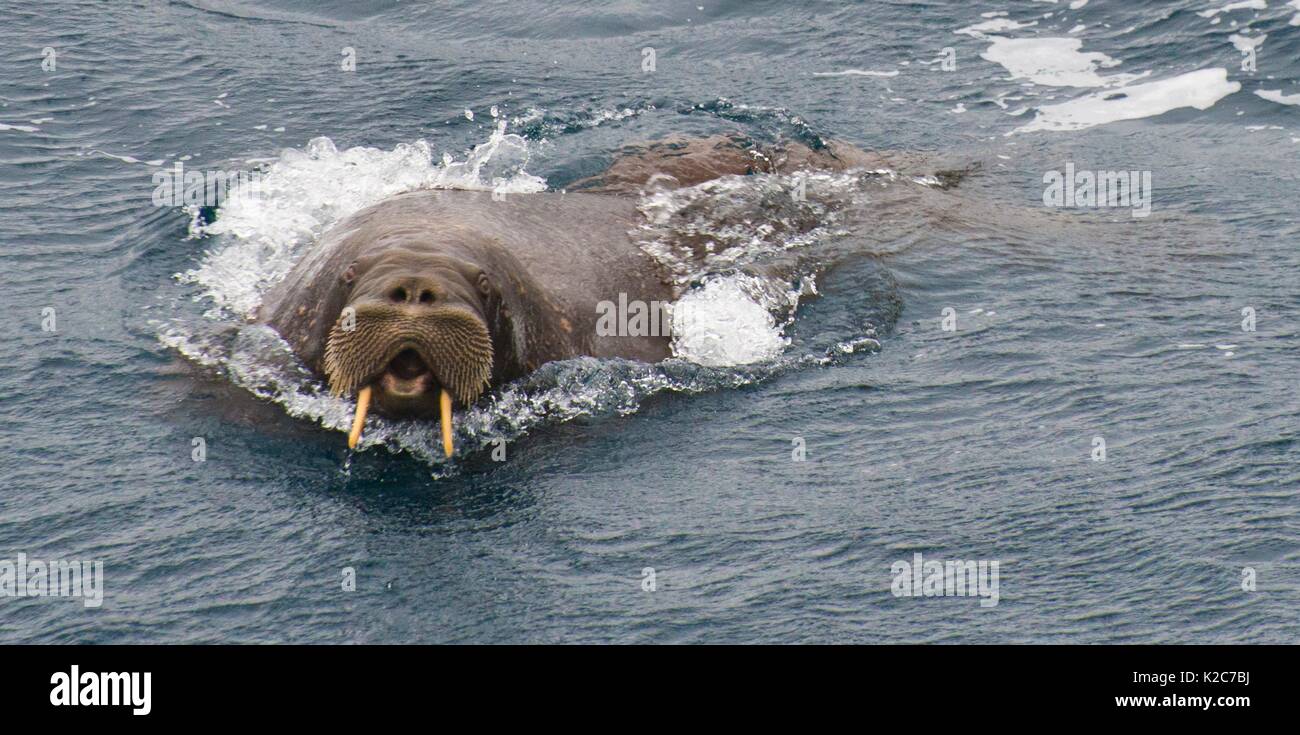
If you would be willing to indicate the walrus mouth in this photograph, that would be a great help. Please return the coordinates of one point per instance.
(412, 361)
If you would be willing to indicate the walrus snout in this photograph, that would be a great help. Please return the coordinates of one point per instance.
(411, 338)
(409, 351)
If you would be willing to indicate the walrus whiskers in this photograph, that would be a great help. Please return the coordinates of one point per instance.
(453, 344)
(359, 421)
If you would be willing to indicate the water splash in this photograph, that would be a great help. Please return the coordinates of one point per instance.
(303, 192)
(254, 357)
(735, 221)
(724, 243)
(725, 322)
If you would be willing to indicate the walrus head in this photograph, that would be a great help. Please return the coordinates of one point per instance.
(412, 337)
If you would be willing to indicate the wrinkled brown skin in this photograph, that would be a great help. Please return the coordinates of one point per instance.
(549, 257)
(690, 161)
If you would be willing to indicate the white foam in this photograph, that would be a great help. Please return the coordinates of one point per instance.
(303, 192)
(996, 25)
(1198, 89)
(125, 159)
(591, 118)
(1295, 19)
(712, 227)
(706, 235)
(1247, 43)
(255, 358)
(1243, 5)
(1276, 95)
(856, 73)
(721, 323)
(1053, 62)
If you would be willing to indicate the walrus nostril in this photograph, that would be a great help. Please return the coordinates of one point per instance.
(426, 297)
(398, 295)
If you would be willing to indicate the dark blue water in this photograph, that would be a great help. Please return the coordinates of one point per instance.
(973, 444)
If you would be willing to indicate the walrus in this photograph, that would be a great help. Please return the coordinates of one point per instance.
(429, 298)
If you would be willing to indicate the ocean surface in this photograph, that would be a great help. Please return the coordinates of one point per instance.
(1100, 400)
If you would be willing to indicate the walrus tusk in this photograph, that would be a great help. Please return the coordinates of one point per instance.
(359, 421)
(445, 400)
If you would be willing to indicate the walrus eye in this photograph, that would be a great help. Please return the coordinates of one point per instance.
(350, 274)
(484, 286)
